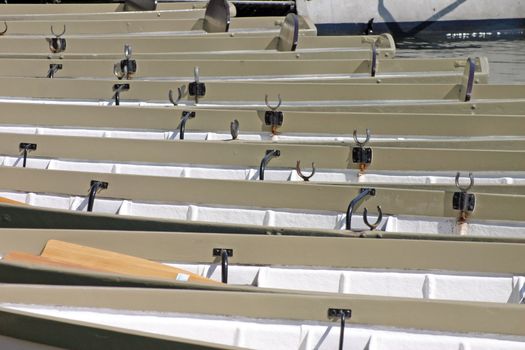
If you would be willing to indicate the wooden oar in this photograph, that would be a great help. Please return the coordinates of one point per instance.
(10, 201)
(24, 257)
(107, 261)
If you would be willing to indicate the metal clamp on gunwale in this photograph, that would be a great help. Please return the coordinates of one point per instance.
(273, 117)
(53, 68)
(95, 186)
(342, 315)
(57, 44)
(183, 120)
(269, 155)
(363, 193)
(126, 67)
(362, 155)
(117, 89)
(26, 148)
(463, 201)
(224, 254)
(196, 88)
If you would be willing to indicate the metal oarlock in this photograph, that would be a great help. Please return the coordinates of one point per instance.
(224, 254)
(269, 155)
(95, 187)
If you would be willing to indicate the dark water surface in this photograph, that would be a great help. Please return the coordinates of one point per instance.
(506, 57)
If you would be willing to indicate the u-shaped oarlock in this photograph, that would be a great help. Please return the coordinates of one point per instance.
(273, 108)
(182, 124)
(300, 173)
(175, 102)
(57, 44)
(270, 153)
(95, 186)
(273, 117)
(234, 129)
(363, 192)
(196, 88)
(374, 225)
(463, 201)
(58, 35)
(360, 154)
(462, 188)
(356, 139)
(26, 148)
(5, 30)
(224, 254)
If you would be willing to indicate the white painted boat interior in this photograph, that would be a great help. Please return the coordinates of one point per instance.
(252, 173)
(269, 217)
(444, 285)
(275, 333)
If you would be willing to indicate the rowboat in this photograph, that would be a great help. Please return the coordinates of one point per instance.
(264, 203)
(390, 70)
(251, 95)
(445, 19)
(287, 40)
(217, 19)
(416, 268)
(261, 319)
(436, 121)
(413, 162)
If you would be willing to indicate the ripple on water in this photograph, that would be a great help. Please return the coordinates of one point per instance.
(506, 57)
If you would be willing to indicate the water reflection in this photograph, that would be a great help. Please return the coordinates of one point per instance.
(506, 57)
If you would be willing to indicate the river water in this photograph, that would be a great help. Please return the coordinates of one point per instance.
(506, 57)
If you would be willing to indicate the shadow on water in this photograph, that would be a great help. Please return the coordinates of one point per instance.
(506, 57)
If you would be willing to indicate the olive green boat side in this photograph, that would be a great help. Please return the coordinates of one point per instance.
(457, 119)
(493, 256)
(458, 317)
(242, 94)
(31, 217)
(257, 194)
(438, 69)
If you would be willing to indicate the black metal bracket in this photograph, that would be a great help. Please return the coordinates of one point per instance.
(53, 68)
(273, 117)
(25, 148)
(270, 153)
(224, 254)
(362, 155)
(57, 45)
(126, 67)
(342, 315)
(95, 186)
(182, 124)
(462, 200)
(363, 192)
(196, 88)
(117, 89)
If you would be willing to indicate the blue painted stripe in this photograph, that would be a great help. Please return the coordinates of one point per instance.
(505, 27)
